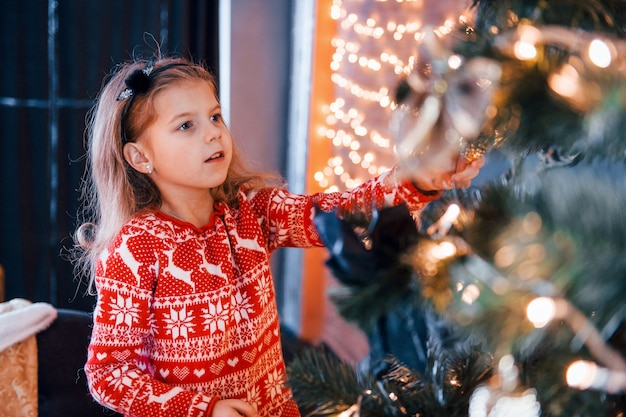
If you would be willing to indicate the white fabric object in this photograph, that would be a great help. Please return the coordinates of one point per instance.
(20, 319)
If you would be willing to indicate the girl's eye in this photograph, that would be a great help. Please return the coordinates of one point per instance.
(216, 117)
(185, 126)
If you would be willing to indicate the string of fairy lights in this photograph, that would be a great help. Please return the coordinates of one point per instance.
(375, 46)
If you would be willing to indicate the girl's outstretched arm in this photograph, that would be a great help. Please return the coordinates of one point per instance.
(287, 219)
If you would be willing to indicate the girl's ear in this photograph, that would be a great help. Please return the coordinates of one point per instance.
(136, 158)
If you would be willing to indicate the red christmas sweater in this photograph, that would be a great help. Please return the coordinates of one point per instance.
(186, 316)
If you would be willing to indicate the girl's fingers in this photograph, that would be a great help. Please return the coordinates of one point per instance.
(233, 408)
(245, 409)
(461, 164)
(479, 163)
(446, 180)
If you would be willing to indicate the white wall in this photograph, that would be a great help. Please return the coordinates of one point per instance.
(264, 99)
(259, 78)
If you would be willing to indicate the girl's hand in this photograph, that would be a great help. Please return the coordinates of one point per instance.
(233, 408)
(458, 177)
(465, 172)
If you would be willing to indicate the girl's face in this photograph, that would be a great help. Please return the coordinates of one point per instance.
(188, 146)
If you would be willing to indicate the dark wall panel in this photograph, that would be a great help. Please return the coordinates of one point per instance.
(56, 54)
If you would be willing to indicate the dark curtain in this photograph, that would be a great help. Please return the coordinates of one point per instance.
(55, 55)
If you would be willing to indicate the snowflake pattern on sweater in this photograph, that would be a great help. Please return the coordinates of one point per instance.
(187, 315)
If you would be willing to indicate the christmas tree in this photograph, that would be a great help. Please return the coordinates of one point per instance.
(507, 298)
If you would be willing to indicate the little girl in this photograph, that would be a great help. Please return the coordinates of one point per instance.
(177, 241)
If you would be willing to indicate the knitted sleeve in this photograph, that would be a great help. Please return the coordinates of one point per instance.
(117, 370)
(289, 217)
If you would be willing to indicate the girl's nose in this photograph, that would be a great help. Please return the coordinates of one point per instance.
(212, 133)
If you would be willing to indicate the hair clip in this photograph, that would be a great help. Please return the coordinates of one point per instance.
(138, 82)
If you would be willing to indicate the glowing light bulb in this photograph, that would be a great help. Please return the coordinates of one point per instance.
(455, 61)
(600, 53)
(443, 250)
(541, 311)
(452, 213)
(442, 226)
(587, 375)
(565, 82)
(580, 374)
(505, 256)
(470, 294)
(524, 51)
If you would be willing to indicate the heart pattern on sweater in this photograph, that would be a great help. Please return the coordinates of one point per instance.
(216, 368)
(120, 356)
(249, 356)
(181, 373)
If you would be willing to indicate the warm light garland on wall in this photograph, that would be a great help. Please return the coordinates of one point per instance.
(375, 46)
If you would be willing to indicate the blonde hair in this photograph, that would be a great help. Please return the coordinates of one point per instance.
(112, 191)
